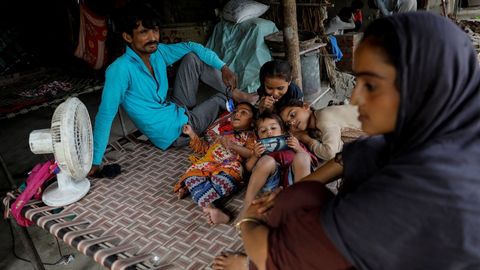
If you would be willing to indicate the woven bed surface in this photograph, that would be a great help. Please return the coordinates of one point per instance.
(140, 208)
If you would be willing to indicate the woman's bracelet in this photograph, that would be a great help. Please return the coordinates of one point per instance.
(247, 219)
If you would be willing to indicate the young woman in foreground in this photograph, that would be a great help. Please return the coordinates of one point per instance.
(411, 198)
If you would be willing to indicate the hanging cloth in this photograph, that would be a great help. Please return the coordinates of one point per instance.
(92, 37)
(335, 48)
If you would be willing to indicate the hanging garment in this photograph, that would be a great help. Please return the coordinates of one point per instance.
(335, 48)
(92, 37)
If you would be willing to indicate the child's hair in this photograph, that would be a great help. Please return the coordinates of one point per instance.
(293, 103)
(276, 68)
(269, 115)
(252, 108)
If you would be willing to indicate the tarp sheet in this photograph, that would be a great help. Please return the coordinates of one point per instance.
(243, 48)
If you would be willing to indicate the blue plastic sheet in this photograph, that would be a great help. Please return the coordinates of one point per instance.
(243, 48)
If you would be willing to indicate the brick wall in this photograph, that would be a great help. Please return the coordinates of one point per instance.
(347, 43)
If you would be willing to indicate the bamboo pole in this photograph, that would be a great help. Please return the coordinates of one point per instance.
(290, 37)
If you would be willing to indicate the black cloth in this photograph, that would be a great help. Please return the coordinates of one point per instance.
(413, 196)
(108, 171)
(293, 93)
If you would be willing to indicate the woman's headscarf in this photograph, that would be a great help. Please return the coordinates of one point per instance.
(439, 80)
(415, 201)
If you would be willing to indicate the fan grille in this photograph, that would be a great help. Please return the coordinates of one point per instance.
(72, 138)
(56, 123)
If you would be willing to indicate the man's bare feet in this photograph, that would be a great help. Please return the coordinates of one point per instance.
(230, 261)
(240, 96)
(215, 215)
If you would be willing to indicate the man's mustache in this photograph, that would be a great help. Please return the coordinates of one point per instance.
(154, 42)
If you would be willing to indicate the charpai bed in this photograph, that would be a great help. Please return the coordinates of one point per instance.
(135, 221)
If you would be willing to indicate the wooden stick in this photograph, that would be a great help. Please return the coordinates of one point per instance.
(290, 37)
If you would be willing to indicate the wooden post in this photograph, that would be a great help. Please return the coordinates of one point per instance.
(290, 37)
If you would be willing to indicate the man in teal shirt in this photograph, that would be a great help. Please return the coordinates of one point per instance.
(137, 81)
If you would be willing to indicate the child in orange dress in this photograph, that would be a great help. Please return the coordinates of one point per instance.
(219, 172)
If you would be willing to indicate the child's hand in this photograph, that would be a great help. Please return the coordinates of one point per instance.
(188, 130)
(258, 149)
(293, 143)
(302, 136)
(227, 143)
(266, 103)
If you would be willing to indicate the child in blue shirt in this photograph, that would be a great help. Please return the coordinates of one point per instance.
(276, 86)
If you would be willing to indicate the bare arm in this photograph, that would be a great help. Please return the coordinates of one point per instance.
(258, 150)
(255, 242)
(198, 145)
(243, 151)
(294, 143)
(326, 173)
(303, 137)
(228, 77)
(255, 236)
(251, 163)
(266, 103)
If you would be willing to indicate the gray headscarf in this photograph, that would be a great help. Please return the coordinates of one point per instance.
(415, 198)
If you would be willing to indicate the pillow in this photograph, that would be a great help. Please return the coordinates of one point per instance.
(238, 11)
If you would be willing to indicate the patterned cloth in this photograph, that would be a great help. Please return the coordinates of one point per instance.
(51, 88)
(205, 190)
(92, 38)
(218, 172)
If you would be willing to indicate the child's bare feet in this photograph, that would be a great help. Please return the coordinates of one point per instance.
(215, 215)
(182, 193)
(230, 261)
(240, 96)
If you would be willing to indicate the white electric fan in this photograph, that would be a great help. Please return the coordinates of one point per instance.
(70, 140)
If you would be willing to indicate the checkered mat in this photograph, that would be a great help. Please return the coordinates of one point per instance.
(125, 222)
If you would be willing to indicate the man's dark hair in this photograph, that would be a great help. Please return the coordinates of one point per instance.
(134, 14)
(269, 115)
